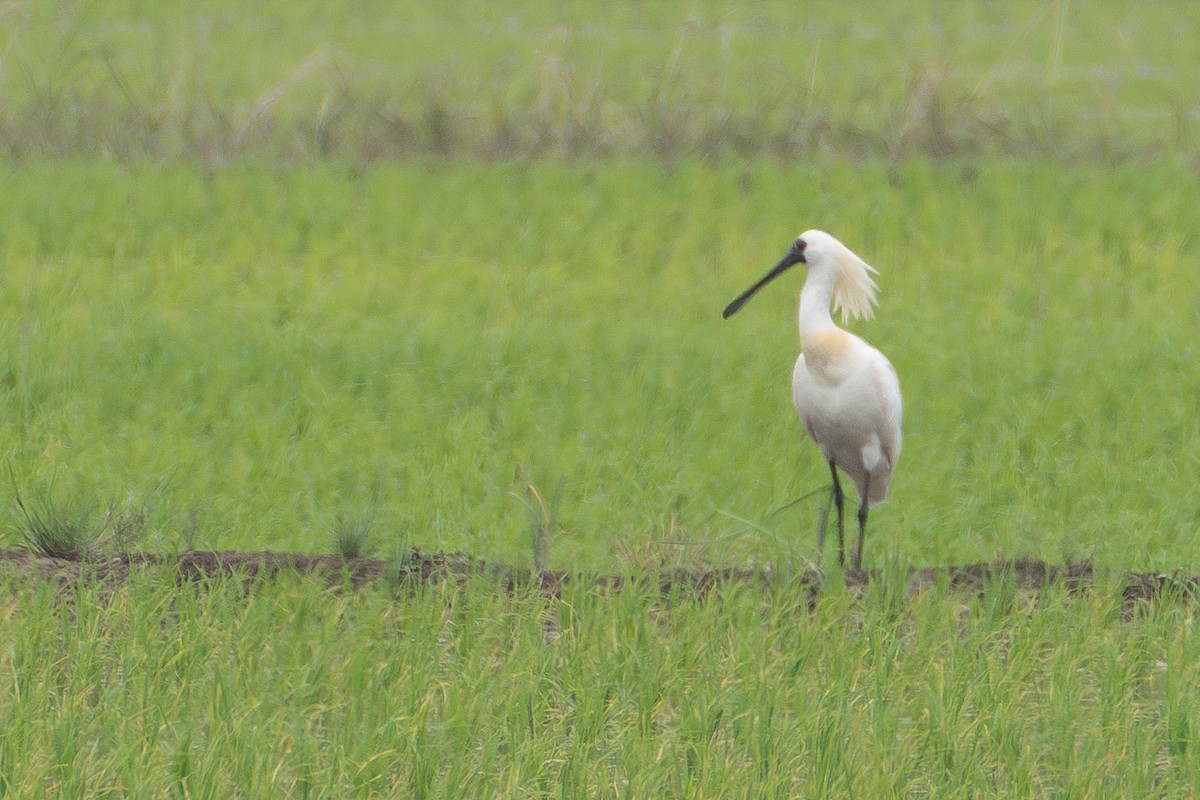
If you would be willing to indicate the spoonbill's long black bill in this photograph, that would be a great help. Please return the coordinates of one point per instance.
(793, 257)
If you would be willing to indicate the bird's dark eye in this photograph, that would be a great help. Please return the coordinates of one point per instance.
(798, 248)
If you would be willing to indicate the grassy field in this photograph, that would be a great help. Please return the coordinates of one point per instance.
(369, 82)
(252, 358)
(275, 276)
(298, 690)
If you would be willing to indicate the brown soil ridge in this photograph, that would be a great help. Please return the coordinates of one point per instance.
(416, 567)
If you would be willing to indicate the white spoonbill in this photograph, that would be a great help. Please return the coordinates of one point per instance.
(846, 392)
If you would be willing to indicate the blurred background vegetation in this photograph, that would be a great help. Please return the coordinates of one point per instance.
(221, 82)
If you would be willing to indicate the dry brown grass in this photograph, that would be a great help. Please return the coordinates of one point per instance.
(566, 118)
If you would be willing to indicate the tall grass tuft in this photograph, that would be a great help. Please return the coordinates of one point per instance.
(63, 531)
(543, 520)
(352, 537)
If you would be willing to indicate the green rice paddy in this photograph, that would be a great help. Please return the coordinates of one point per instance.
(271, 276)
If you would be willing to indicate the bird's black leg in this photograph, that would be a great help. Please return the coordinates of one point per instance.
(862, 523)
(839, 500)
(823, 523)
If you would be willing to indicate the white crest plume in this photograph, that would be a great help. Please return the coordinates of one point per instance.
(853, 288)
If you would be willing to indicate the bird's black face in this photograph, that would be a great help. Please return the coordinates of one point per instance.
(794, 255)
(797, 252)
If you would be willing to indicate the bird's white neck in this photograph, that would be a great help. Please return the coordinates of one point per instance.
(815, 300)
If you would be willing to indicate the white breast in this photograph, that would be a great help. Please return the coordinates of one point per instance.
(848, 398)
